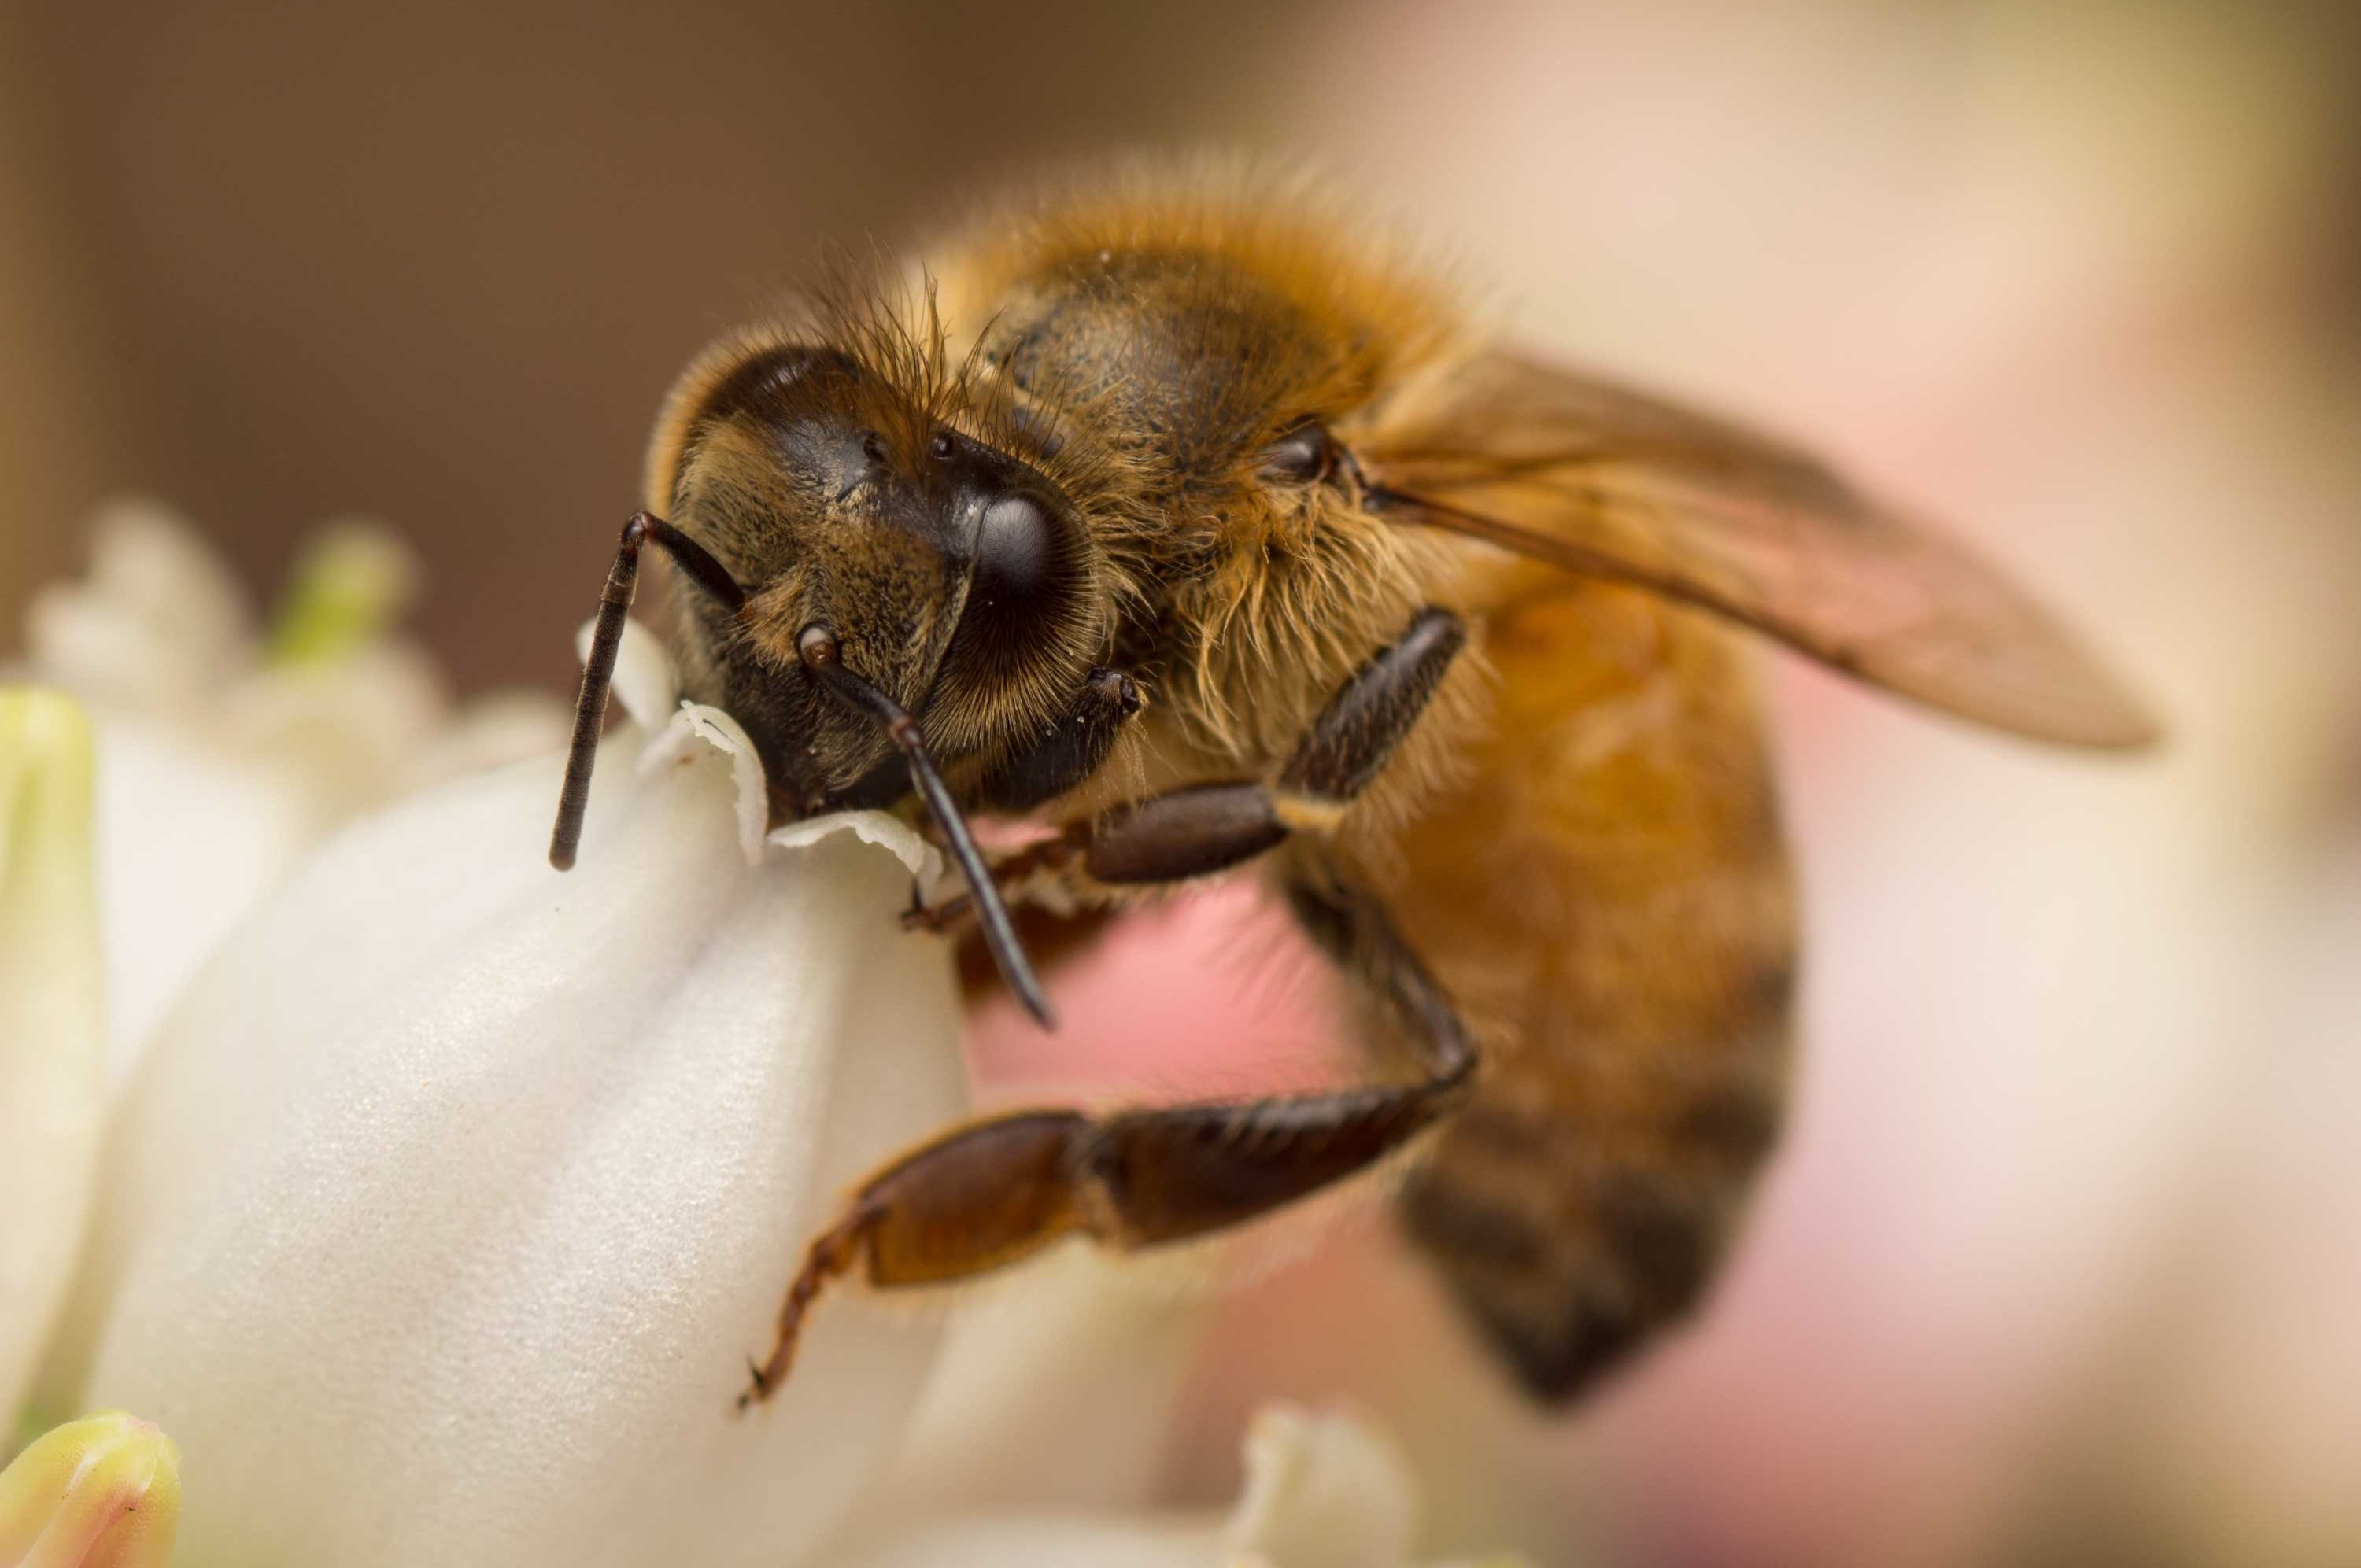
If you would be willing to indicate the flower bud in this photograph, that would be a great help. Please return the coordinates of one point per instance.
(103, 1492)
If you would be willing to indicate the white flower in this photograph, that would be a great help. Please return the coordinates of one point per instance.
(454, 1178)
(224, 753)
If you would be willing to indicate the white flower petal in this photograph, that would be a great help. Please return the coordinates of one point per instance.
(1054, 1391)
(490, 731)
(1058, 1542)
(698, 723)
(217, 769)
(242, 1035)
(891, 834)
(53, 1044)
(1322, 1491)
(343, 730)
(159, 623)
(191, 836)
(440, 1220)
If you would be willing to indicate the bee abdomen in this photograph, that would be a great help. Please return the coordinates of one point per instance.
(1571, 1235)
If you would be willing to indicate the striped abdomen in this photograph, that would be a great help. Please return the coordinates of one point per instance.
(1607, 899)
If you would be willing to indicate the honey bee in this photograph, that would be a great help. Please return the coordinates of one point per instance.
(1194, 527)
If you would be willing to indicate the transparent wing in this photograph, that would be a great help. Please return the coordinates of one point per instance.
(1616, 484)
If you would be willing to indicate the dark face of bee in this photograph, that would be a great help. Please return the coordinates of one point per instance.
(955, 578)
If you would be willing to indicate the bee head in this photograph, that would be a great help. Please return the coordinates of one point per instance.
(953, 577)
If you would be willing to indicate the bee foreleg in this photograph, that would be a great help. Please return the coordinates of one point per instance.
(993, 1192)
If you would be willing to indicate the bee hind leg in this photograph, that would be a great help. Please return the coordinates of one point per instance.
(992, 1191)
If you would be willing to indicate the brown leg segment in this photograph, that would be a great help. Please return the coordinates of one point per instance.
(1203, 829)
(1198, 830)
(993, 1192)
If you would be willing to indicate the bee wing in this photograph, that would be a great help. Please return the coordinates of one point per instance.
(1619, 485)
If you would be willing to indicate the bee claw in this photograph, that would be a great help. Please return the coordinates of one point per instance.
(936, 916)
(760, 1390)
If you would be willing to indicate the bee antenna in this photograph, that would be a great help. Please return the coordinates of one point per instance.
(605, 641)
(817, 646)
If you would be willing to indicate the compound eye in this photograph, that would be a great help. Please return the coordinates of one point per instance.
(1028, 600)
(1012, 550)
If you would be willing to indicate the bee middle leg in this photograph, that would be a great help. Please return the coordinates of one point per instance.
(1198, 830)
(995, 1191)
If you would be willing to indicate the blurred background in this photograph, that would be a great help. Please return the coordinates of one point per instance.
(2062, 1260)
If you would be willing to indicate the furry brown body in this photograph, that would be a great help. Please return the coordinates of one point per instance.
(1541, 827)
(1580, 839)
